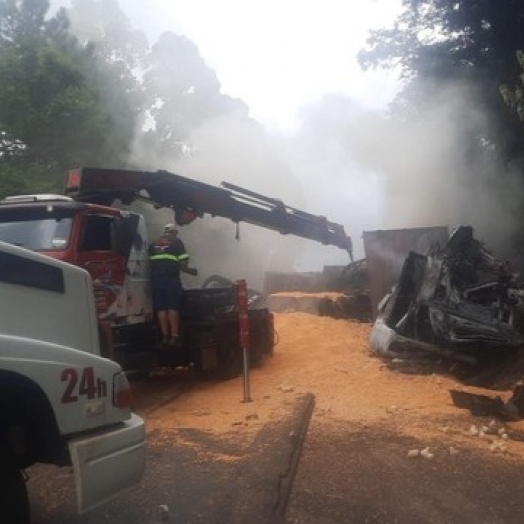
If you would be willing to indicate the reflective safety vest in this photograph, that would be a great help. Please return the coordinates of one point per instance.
(169, 256)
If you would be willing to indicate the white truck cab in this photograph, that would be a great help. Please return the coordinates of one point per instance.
(61, 402)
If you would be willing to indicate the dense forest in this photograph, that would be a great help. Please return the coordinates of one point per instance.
(71, 92)
(92, 93)
(475, 43)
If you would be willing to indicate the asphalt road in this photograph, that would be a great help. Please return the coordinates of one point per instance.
(253, 488)
(362, 475)
(297, 471)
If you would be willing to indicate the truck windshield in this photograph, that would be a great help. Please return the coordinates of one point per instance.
(43, 234)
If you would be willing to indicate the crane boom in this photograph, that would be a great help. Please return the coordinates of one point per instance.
(188, 197)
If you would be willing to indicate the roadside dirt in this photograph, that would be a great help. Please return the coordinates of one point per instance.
(331, 359)
(382, 445)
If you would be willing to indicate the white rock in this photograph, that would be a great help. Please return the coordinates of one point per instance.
(412, 453)
(426, 453)
(164, 512)
(473, 430)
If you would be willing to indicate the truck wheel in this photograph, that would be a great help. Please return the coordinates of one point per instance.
(215, 281)
(14, 500)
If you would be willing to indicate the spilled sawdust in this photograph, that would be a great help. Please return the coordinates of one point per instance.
(331, 359)
(299, 294)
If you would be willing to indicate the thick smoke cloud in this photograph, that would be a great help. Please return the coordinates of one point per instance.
(238, 151)
(358, 167)
(384, 172)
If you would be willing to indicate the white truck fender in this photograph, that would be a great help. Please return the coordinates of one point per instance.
(108, 463)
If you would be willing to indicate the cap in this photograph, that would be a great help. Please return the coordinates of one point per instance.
(170, 228)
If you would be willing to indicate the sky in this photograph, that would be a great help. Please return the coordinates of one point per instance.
(278, 55)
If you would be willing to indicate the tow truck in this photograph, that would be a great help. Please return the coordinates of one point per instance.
(89, 227)
(61, 403)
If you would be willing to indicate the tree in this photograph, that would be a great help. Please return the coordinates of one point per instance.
(471, 42)
(514, 95)
(119, 56)
(52, 116)
(182, 93)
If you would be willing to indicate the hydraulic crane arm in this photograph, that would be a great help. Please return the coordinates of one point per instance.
(190, 199)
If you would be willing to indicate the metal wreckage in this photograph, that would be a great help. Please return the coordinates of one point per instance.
(459, 303)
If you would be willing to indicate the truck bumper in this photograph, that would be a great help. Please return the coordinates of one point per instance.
(107, 463)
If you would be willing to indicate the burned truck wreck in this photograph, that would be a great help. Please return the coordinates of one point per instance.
(458, 302)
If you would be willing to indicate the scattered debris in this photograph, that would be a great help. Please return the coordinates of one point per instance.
(339, 291)
(426, 453)
(497, 447)
(478, 405)
(484, 406)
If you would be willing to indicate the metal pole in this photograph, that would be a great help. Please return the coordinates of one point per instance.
(243, 332)
(247, 386)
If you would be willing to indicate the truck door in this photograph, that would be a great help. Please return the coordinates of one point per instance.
(113, 249)
(98, 254)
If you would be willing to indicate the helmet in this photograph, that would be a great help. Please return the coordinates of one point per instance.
(170, 228)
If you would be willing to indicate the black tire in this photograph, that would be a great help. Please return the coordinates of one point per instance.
(14, 500)
(255, 298)
(215, 281)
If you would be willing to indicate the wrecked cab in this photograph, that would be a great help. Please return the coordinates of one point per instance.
(458, 301)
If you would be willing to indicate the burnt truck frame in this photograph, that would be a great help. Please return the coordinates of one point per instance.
(459, 302)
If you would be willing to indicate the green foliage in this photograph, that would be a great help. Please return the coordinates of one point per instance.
(182, 93)
(18, 178)
(46, 104)
(118, 52)
(514, 97)
(83, 87)
(53, 115)
(445, 42)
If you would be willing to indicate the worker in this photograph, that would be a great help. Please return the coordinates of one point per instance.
(168, 257)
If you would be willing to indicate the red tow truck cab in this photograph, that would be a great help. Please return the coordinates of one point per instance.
(112, 245)
(109, 243)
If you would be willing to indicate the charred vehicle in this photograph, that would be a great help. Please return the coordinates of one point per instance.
(459, 301)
